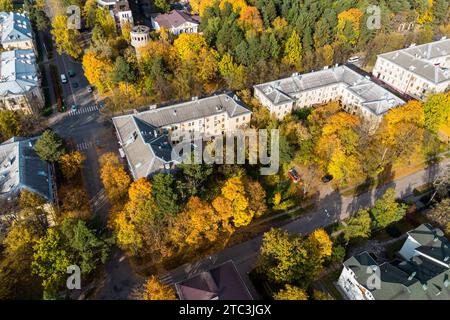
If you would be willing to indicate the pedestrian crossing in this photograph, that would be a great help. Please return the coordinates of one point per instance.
(84, 146)
(98, 201)
(166, 279)
(83, 110)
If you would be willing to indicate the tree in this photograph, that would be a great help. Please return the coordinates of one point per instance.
(105, 21)
(98, 71)
(155, 290)
(162, 6)
(437, 111)
(71, 163)
(89, 12)
(6, 5)
(49, 146)
(357, 226)
(387, 210)
(251, 19)
(348, 26)
(293, 51)
(321, 239)
(9, 124)
(233, 73)
(66, 39)
(291, 293)
(166, 199)
(122, 71)
(440, 213)
(320, 295)
(114, 177)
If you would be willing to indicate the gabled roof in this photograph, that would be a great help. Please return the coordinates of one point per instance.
(18, 72)
(220, 283)
(419, 60)
(374, 98)
(176, 18)
(21, 168)
(15, 27)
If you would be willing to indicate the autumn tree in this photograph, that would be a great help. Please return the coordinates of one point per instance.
(251, 18)
(348, 26)
(437, 111)
(387, 210)
(71, 163)
(66, 39)
(440, 213)
(9, 124)
(6, 5)
(293, 51)
(166, 199)
(49, 146)
(155, 290)
(233, 73)
(114, 177)
(357, 226)
(98, 71)
(291, 293)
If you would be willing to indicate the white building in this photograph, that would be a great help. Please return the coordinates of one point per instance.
(417, 70)
(357, 93)
(122, 13)
(146, 138)
(177, 22)
(20, 82)
(15, 31)
(422, 273)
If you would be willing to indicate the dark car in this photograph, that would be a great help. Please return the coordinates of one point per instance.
(71, 73)
(327, 178)
(292, 173)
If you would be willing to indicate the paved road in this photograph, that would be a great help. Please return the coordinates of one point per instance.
(332, 207)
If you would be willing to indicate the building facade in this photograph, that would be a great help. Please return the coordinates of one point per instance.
(418, 70)
(140, 36)
(20, 82)
(177, 22)
(357, 93)
(420, 273)
(146, 138)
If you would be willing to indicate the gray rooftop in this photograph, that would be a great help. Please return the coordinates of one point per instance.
(21, 168)
(15, 27)
(433, 243)
(418, 59)
(374, 97)
(18, 72)
(417, 279)
(144, 141)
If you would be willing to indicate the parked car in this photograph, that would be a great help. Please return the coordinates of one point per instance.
(63, 78)
(353, 59)
(74, 107)
(327, 178)
(293, 175)
(71, 73)
(89, 89)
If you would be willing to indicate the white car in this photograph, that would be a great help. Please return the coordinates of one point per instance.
(63, 78)
(353, 59)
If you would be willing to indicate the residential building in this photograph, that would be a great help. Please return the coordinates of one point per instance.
(420, 273)
(177, 22)
(122, 13)
(22, 169)
(15, 31)
(146, 138)
(20, 82)
(220, 283)
(358, 93)
(417, 70)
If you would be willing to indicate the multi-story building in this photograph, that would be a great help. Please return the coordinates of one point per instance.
(417, 70)
(358, 93)
(177, 22)
(21, 168)
(146, 138)
(20, 82)
(122, 13)
(16, 31)
(420, 273)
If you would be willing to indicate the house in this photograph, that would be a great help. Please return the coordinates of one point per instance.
(20, 82)
(177, 22)
(15, 31)
(122, 13)
(417, 70)
(220, 283)
(22, 169)
(421, 272)
(146, 138)
(357, 93)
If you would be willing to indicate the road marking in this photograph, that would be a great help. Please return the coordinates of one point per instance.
(84, 110)
(83, 146)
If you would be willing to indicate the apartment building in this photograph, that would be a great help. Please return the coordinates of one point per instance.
(358, 93)
(146, 138)
(420, 273)
(15, 31)
(20, 82)
(417, 70)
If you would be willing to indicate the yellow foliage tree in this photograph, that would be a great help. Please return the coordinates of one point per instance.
(291, 293)
(250, 18)
(114, 177)
(97, 71)
(66, 40)
(322, 240)
(71, 163)
(352, 16)
(234, 191)
(155, 290)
